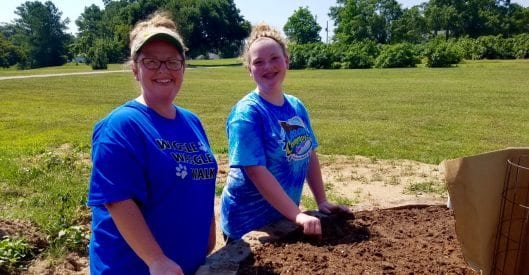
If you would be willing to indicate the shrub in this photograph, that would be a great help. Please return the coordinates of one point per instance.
(103, 51)
(356, 56)
(8, 53)
(441, 53)
(520, 45)
(494, 47)
(320, 56)
(312, 55)
(400, 55)
(298, 56)
(99, 58)
(469, 48)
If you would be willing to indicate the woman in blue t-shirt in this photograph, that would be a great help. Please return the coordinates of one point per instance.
(271, 148)
(152, 186)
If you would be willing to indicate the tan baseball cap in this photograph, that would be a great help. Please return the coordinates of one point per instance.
(157, 33)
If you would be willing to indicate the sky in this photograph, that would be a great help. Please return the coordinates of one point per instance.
(273, 12)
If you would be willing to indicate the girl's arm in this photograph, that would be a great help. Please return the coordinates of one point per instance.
(132, 226)
(315, 181)
(270, 189)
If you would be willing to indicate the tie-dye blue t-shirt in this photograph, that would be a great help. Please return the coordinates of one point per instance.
(262, 134)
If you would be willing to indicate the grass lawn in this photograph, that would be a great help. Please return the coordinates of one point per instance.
(418, 113)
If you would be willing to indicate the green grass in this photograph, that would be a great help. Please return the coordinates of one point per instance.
(421, 114)
(80, 67)
(214, 62)
(67, 68)
(431, 187)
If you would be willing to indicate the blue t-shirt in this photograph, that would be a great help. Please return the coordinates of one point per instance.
(277, 137)
(166, 166)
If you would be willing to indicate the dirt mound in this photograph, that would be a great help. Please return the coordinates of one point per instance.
(382, 241)
(27, 233)
(23, 229)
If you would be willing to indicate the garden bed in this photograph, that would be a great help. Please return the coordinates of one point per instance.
(405, 240)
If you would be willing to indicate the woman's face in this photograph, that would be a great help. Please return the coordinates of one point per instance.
(159, 85)
(268, 65)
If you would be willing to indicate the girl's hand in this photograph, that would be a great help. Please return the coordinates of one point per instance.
(328, 208)
(311, 225)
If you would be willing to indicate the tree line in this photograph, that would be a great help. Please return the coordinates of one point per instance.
(38, 37)
(364, 29)
(380, 33)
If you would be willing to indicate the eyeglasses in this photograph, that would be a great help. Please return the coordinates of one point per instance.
(155, 64)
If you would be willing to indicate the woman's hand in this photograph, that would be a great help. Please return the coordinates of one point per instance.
(328, 208)
(311, 225)
(165, 266)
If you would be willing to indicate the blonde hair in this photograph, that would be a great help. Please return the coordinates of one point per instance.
(262, 30)
(159, 20)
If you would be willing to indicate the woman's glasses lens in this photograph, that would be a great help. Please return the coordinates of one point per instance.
(155, 64)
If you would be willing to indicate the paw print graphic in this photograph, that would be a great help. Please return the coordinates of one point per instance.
(181, 171)
(202, 147)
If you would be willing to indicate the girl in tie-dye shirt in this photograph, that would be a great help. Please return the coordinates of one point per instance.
(271, 148)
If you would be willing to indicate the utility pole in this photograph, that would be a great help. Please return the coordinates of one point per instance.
(327, 32)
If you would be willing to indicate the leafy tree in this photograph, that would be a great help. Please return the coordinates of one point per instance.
(446, 16)
(515, 20)
(410, 27)
(8, 53)
(358, 20)
(8, 30)
(89, 25)
(40, 34)
(206, 25)
(104, 34)
(388, 11)
(302, 28)
(480, 17)
(216, 26)
(351, 18)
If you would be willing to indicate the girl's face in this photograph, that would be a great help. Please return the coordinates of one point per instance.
(268, 65)
(159, 85)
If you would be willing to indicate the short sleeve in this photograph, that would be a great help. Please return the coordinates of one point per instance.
(245, 136)
(117, 172)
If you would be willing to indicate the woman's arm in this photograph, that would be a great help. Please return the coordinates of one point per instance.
(132, 226)
(270, 189)
(212, 235)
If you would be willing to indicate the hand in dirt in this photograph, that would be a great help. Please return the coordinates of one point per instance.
(165, 266)
(328, 208)
(311, 225)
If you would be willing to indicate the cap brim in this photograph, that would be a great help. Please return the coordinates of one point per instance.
(159, 34)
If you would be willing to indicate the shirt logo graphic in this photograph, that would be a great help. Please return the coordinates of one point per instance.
(181, 171)
(296, 139)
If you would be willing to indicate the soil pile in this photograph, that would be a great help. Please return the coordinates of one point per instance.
(385, 241)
